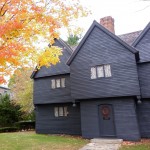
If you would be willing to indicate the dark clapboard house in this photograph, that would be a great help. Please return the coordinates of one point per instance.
(101, 89)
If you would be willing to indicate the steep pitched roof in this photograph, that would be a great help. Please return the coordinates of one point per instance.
(96, 24)
(129, 38)
(60, 68)
(141, 35)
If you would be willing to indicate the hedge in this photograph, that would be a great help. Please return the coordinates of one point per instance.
(19, 126)
(25, 125)
(8, 129)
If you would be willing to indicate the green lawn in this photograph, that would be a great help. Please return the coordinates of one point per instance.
(33, 141)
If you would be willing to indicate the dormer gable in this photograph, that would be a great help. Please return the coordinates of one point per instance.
(59, 68)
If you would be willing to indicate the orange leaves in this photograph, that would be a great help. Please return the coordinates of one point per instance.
(24, 22)
(2, 80)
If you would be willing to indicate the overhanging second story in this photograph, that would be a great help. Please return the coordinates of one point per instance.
(52, 84)
(103, 66)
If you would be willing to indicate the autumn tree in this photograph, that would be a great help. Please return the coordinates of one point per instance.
(22, 90)
(24, 23)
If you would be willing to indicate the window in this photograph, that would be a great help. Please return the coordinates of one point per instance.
(58, 83)
(107, 70)
(53, 84)
(93, 73)
(100, 71)
(60, 111)
(62, 82)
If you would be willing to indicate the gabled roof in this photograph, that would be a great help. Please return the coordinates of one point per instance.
(129, 38)
(141, 35)
(96, 24)
(68, 48)
(60, 68)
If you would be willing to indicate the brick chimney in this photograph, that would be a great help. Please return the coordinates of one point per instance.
(108, 23)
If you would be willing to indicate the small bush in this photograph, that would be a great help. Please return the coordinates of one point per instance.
(25, 125)
(8, 129)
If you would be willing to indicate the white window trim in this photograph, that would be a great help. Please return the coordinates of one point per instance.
(53, 84)
(101, 71)
(58, 83)
(93, 72)
(61, 111)
(107, 70)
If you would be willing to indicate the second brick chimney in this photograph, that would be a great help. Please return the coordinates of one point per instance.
(108, 23)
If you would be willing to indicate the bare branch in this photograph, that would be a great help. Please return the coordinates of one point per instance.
(143, 8)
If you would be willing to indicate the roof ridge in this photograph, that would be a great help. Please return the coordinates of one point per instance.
(115, 37)
(129, 33)
(137, 40)
(69, 48)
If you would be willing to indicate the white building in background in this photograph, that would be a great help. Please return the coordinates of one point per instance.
(4, 90)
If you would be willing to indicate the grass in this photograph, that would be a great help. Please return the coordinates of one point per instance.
(144, 144)
(33, 141)
(136, 147)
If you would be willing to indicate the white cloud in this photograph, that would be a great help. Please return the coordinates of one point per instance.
(129, 15)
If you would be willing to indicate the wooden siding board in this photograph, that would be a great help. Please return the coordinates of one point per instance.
(43, 93)
(108, 33)
(143, 111)
(144, 78)
(98, 49)
(124, 115)
(143, 46)
(47, 123)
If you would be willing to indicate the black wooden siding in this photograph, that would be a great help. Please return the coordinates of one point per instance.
(143, 111)
(143, 46)
(47, 123)
(59, 68)
(43, 93)
(99, 48)
(144, 78)
(124, 115)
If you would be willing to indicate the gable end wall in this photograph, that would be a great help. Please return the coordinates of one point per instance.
(99, 48)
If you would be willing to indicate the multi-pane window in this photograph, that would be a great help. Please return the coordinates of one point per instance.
(107, 70)
(60, 111)
(58, 83)
(93, 73)
(100, 71)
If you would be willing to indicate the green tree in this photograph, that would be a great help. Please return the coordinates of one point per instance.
(9, 112)
(73, 40)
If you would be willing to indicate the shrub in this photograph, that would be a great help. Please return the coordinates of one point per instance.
(25, 125)
(9, 112)
(8, 129)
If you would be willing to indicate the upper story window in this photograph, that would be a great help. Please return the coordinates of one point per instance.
(100, 71)
(60, 111)
(58, 83)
